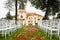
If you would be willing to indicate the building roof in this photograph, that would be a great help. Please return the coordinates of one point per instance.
(31, 13)
(28, 13)
(21, 11)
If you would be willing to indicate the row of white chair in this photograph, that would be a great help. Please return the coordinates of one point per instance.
(8, 26)
(49, 26)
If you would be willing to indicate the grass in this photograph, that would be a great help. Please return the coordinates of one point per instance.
(12, 35)
(22, 31)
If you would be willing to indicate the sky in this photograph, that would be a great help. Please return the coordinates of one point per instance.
(3, 11)
(28, 8)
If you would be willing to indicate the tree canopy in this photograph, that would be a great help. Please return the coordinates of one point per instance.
(22, 4)
(9, 5)
(47, 4)
(8, 16)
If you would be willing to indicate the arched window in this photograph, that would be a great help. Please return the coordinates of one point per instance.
(21, 16)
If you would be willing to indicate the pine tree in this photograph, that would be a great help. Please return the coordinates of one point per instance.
(8, 16)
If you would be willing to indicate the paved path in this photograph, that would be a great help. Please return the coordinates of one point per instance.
(32, 28)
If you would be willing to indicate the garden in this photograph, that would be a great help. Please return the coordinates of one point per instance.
(28, 33)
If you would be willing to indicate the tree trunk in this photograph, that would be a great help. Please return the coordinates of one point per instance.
(21, 6)
(16, 11)
(46, 15)
(47, 12)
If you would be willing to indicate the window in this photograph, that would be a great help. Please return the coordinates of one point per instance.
(38, 19)
(29, 17)
(21, 16)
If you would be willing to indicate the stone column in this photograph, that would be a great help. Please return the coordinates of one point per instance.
(26, 22)
(23, 22)
(33, 21)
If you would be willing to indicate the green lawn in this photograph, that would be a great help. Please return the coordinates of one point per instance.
(22, 31)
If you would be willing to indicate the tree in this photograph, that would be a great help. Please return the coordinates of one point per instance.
(47, 4)
(22, 4)
(8, 16)
(9, 5)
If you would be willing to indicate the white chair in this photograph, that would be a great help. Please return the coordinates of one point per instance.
(53, 29)
(40, 24)
(18, 24)
(13, 25)
(3, 30)
(6, 28)
(46, 26)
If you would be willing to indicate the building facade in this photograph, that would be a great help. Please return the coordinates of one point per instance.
(30, 16)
